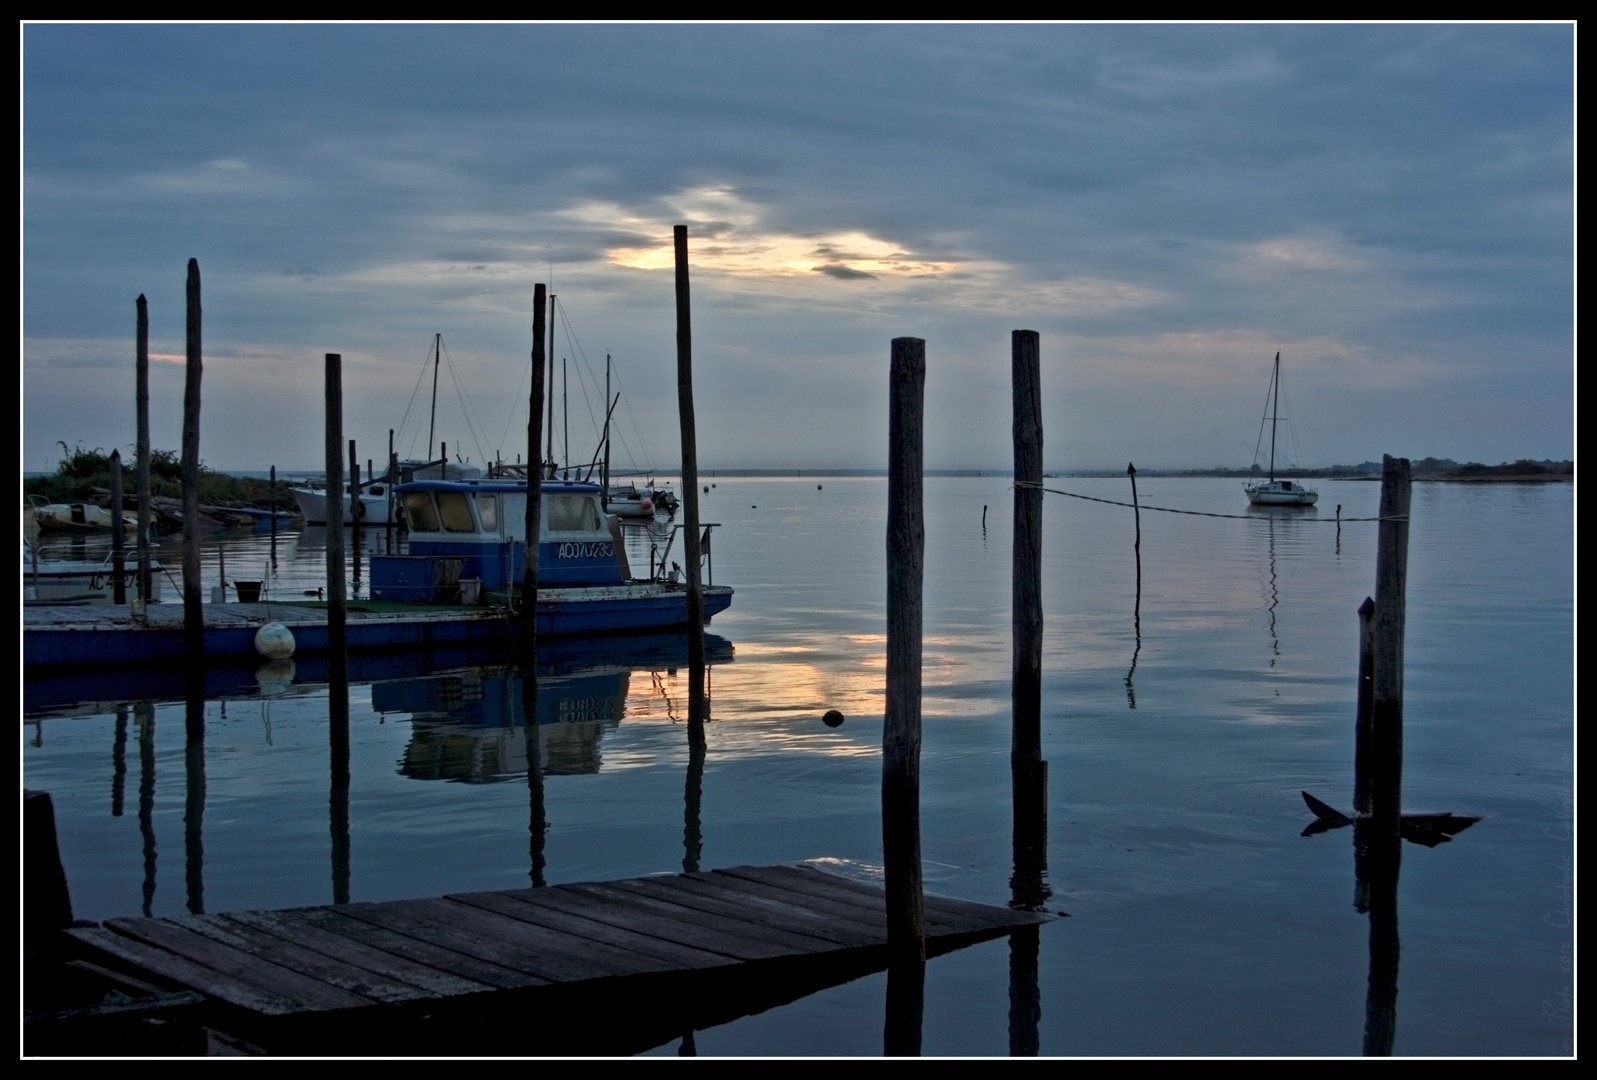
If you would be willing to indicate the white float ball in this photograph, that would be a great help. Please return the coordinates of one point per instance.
(274, 641)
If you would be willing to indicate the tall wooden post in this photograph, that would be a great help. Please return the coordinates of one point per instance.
(534, 517)
(141, 405)
(119, 563)
(1391, 583)
(1362, 740)
(1028, 770)
(690, 454)
(193, 616)
(333, 461)
(901, 729)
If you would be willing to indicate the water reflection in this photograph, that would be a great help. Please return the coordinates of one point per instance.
(472, 725)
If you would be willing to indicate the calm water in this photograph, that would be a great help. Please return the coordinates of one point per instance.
(1202, 922)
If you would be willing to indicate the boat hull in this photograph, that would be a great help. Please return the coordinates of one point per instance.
(313, 505)
(1283, 498)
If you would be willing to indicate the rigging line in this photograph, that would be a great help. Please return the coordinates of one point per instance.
(420, 376)
(465, 407)
(643, 447)
(515, 405)
(1195, 513)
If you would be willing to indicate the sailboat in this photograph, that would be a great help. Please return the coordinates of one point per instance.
(1273, 492)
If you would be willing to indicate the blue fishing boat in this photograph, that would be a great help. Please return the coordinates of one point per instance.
(467, 546)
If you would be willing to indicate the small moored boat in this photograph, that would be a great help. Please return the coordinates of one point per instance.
(467, 541)
(1273, 492)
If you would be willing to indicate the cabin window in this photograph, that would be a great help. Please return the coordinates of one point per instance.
(488, 511)
(455, 511)
(419, 512)
(573, 513)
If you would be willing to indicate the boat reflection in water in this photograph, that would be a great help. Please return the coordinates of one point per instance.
(468, 725)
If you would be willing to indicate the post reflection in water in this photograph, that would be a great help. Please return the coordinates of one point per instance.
(194, 789)
(144, 721)
(698, 713)
(537, 818)
(338, 777)
(119, 761)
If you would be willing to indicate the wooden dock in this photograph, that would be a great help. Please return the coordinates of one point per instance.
(686, 950)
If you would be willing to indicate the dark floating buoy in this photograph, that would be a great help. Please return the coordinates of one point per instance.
(833, 718)
(706, 491)
(754, 508)
(817, 487)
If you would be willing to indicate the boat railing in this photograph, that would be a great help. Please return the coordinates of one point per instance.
(661, 569)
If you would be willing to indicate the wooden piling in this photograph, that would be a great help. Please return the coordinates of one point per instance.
(901, 728)
(193, 615)
(46, 902)
(1028, 770)
(1391, 582)
(119, 563)
(141, 405)
(534, 518)
(690, 453)
(333, 461)
(1362, 741)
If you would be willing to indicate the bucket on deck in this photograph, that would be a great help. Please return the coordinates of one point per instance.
(470, 591)
(249, 592)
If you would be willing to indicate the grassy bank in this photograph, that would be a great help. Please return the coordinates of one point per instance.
(85, 476)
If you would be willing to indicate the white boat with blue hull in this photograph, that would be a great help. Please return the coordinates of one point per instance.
(467, 540)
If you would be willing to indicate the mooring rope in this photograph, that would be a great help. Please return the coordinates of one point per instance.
(1194, 513)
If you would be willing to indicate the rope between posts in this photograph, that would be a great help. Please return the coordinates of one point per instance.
(1193, 513)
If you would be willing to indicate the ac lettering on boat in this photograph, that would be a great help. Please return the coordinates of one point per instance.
(584, 551)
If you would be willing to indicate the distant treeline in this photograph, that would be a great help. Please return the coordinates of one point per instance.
(85, 476)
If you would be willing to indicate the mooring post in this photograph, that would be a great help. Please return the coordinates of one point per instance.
(333, 460)
(1028, 770)
(193, 614)
(119, 563)
(534, 516)
(1391, 582)
(1362, 741)
(690, 454)
(901, 729)
(141, 406)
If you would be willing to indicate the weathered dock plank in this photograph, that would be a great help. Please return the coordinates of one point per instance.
(398, 955)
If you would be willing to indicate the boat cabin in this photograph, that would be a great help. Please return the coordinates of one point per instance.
(467, 537)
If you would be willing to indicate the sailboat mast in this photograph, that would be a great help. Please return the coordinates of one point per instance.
(604, 478)
(432, 422)
(1275, 412)
(565, 408)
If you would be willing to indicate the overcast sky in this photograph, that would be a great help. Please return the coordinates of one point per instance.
(1390, 207)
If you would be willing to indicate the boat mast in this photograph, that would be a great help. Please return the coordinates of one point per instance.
(565, 410)
(432, 422)
(604, 477)
(1275, 411)
(549, 451)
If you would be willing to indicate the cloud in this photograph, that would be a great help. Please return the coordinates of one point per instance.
(843, 272)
